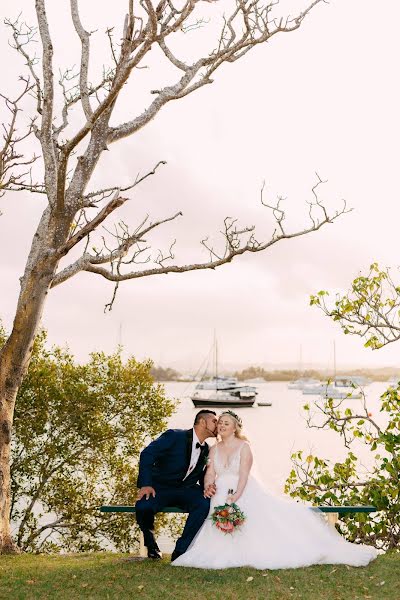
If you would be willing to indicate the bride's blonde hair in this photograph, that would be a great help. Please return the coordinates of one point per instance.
(238, 424)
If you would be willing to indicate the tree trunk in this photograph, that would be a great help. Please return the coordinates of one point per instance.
(16, 353)
(6, 544)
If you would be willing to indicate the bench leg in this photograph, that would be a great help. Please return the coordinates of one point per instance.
(332, 519)
(142, 547)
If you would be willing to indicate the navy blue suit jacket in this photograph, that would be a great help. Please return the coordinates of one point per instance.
(164, 462)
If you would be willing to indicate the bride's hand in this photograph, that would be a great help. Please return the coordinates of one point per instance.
(231, 498)
(210, 490)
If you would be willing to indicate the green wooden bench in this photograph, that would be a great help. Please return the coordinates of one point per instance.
(332, 513)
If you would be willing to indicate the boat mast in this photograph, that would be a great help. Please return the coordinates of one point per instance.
(300, 360)
(119, 342)
(216, 359)
(334, 361)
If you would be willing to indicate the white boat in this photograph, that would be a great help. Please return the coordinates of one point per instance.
(351, 380)
(330, 391)
(301, 383)
(316, 390)
(217, 383)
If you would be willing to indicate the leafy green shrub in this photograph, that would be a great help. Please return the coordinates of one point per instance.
(343, 483)
(79, 429)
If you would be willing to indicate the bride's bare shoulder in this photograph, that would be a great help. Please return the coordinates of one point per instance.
(245, 448)
(244, 443)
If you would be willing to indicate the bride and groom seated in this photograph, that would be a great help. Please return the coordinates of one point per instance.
(179, 469)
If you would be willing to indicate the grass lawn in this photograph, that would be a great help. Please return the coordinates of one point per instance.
(103, 576)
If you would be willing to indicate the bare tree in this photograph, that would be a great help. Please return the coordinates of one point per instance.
(72, 213)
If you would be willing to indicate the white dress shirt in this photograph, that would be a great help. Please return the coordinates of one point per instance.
(195, 454)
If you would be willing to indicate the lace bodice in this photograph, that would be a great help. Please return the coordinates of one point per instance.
(229, 468)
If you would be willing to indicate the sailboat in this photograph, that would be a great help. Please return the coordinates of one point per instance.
(220, 391)
(331, 389)
(302, 382)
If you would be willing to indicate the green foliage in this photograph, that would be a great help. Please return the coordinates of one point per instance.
(78, 432)
(371, 309)
(3, 335)
(321, 482)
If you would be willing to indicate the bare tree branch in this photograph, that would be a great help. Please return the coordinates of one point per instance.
(54, 525)
(115, 203)
(23, 35)
(249, 25)
(55, 194)
(92, 197)
(11, 177)
(84, 36)
(236, 242)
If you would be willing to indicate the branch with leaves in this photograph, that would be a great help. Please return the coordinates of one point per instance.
(371, 309)
(320, 481)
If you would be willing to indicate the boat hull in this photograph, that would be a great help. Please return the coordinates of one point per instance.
(223, 402)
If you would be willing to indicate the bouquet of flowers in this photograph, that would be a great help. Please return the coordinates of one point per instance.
(227, 517)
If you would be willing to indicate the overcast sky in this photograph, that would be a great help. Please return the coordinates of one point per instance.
(322, 99)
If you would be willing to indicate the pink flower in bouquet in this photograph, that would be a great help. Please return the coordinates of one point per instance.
(226, 527)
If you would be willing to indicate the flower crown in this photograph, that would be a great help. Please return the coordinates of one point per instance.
(234, 416)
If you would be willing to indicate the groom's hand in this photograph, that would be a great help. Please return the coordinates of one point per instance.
(146, 491)
(210, 490)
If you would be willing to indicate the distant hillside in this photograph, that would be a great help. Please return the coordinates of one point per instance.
(161, 374)
(378, 374)
(382, 374)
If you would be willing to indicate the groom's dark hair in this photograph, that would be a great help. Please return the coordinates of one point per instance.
(202, 413)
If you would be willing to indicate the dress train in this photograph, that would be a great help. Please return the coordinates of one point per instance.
(278, 533)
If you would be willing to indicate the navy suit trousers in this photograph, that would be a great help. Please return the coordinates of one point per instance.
(190, 499)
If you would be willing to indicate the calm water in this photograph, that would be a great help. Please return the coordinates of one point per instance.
(277, 431)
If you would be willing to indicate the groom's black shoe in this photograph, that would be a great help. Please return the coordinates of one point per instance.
(154, 553)
(175, 555)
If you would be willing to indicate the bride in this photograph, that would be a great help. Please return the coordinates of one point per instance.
(277, 533)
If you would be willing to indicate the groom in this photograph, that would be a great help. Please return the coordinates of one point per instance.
(171, 473)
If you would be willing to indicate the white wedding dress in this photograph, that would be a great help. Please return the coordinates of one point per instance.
(278, 533)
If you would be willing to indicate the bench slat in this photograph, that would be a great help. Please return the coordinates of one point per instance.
(346, 509)
(173, 509)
